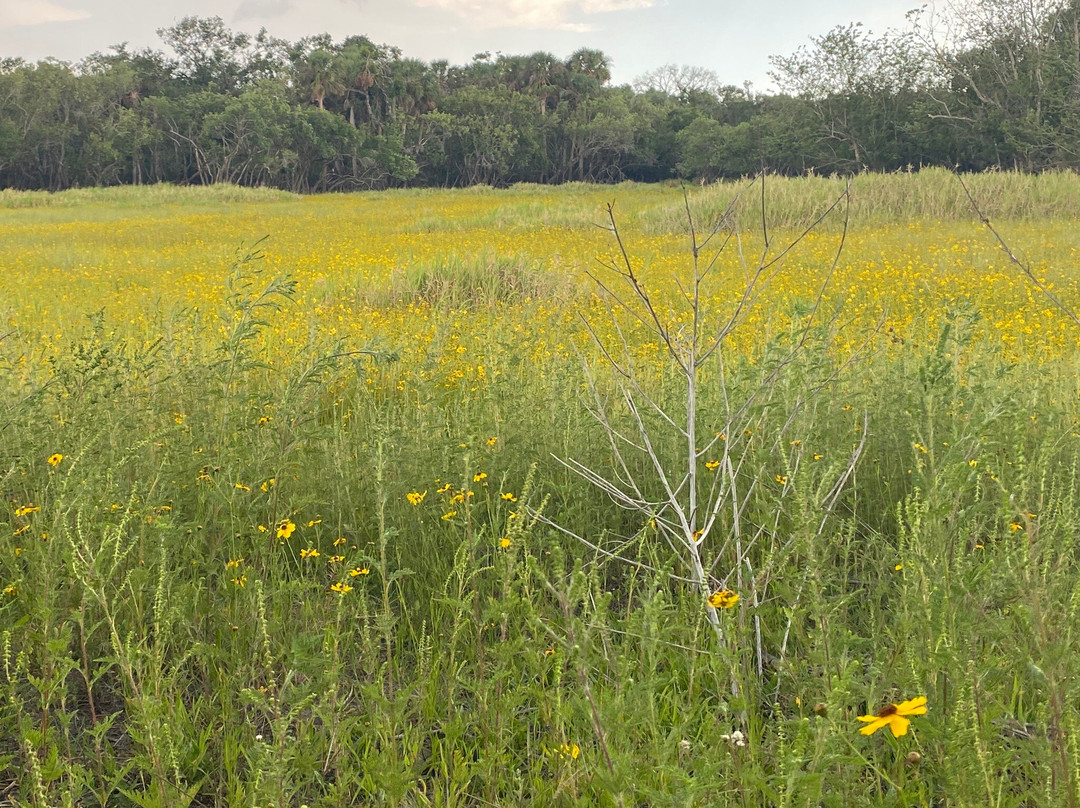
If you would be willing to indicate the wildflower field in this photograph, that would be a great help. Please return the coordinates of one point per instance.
(454, 498)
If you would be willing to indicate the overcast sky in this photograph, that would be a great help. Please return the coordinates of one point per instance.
(733, 38)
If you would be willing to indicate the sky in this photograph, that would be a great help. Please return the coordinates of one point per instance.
(734, 39)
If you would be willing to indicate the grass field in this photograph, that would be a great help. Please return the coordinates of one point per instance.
(379, 499)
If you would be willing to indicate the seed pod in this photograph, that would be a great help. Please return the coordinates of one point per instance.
(913, 758)
(821, 709)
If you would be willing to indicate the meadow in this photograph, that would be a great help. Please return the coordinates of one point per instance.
(408, 498)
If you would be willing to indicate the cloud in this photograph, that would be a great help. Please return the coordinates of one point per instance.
(549, 14)
(263, 9)
(36, 12)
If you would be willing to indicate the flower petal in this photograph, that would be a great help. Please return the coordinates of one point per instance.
(915, 706)
(870, 729)
(899, 725)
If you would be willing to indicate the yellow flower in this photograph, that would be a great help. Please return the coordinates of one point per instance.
(444, 489)
(55, 459)
(973, 463)
(339, 541)
(309, 552)
(337, 559)
(240, 581)
(1015, 526)
(480, 476)
(549, 652)
(894, 716)
(9, 590)
(712, 465)
(27, 509)
(285, 528)
(241, 487)
(571, 750)
(415, 497)
(898, 567)
(782, 479)
(723, 599)
(920, 447)
(178, 417)
(314, 522)
(509, 497)
(492, 441)
(340, 588)
(449, 515)
(263, 528)
(264, 420)
(846, 408)
(359, 571)
(818, 456)
(233, 563)
(504, 542)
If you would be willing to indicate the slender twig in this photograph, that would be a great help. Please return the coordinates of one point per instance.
(1025, 268)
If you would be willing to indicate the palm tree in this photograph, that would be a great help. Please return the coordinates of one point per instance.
(321, 75)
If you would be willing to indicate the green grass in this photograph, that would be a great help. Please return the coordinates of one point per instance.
(134, 669)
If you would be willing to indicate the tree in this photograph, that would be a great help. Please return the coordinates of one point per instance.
(679, 80)
(208, 54)
(859, 87)
(1010, 71)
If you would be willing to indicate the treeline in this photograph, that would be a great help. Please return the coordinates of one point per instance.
(989, 83)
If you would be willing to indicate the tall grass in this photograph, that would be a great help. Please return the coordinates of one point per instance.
(176, 627)
(931, 194)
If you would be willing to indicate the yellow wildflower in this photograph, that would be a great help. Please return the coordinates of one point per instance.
(894, 716)
(55, 459)
(285, 528)
(723, 599)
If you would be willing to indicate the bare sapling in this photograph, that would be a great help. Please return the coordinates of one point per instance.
(672, 461)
